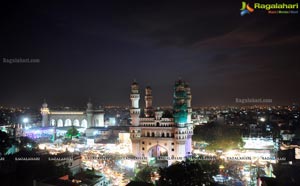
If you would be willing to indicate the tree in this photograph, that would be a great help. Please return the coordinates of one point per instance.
(72, 132)
(5, 142)
(144, 175)
(218, 136)
(188, 173)
(286, 174)
(24, 172)
(27, 143)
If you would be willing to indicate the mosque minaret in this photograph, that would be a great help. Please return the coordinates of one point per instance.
(158, 133)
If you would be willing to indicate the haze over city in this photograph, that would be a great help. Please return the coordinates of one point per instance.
(150, 93)
(96, 50)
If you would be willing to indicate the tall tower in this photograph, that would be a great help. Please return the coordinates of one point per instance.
(45, 113)
(148, 102)
(135, 130)
(180, 103)
(89, 114)
(188, 103)
(181, 107)
(135, 109)
(190, 127)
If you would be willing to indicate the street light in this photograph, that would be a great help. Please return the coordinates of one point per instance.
(25, 121)
(262, 119)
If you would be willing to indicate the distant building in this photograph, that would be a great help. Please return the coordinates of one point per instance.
(124, 137)
(80, 179)
(156, 133)
(73, 161)
(98, 133)
(64, 118)
(104, 133)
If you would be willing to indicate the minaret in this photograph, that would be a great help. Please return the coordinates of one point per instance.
(148, 102)
(190, 128)
(89, 114)
(45, 113)
(180, 108)
(180, 103)
(188, 103)
(135, 109)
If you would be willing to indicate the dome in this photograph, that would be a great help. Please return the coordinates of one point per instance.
(45, 105)
(134, 83)
(89, 105)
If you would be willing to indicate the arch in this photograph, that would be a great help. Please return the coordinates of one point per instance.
(52, 122)
(152, 134)
(148, 134)
(76, 123)
(163, 134)
(84, 123)
(60, 123)
(157, 150)
(68, 123)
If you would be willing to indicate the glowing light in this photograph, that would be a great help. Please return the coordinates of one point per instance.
(67, 113)
(262, 119)
(42, 146)
(70, 149)
(25, 120)
(258, 143)
(127, 163)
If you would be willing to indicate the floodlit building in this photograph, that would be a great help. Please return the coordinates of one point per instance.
(158, 133)
(124, 137)
(63, 118)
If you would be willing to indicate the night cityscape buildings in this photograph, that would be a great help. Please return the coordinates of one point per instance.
(222, 109)
(155, 133)
(60, 118)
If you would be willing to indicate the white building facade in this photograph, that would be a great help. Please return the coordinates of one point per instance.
(162, 134)
(64, 118)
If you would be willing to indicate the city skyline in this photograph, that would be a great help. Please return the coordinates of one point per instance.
(96, 50)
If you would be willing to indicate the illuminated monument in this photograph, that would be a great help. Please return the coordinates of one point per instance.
(65, 118)
(155, 133)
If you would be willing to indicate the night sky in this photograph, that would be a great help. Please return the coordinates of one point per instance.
(88, 49)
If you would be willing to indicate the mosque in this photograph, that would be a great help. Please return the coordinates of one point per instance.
(162, 134)
(64, 118)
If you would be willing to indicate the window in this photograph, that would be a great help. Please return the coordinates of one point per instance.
(172, 149)
(172, 143)
(143, 148)
(143, 142)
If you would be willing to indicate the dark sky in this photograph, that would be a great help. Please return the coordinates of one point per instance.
(88, 49)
